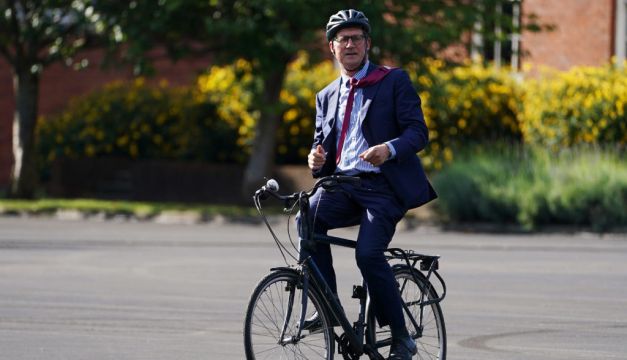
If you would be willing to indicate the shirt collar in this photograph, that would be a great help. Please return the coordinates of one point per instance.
(359, 75)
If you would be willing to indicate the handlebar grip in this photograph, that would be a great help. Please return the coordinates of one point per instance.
(272, 190)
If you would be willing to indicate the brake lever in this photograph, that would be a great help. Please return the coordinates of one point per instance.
(261, 194)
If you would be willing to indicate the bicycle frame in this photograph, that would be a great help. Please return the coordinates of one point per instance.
(312, 277)
(311, 271)
(356, 336)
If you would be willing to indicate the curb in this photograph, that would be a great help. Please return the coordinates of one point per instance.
(408, 223)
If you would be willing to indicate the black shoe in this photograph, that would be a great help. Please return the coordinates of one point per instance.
(402, 349)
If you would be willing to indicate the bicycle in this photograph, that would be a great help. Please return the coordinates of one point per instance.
(288, 295)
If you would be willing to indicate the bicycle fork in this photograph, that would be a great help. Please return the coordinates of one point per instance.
(288, 314)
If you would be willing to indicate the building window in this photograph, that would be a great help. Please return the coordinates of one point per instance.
(496, 37)
(620, 44)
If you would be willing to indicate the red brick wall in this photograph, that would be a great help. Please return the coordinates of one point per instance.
(583, 34)
(60, 83)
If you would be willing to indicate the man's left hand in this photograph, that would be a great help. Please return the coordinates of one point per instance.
(376, 155)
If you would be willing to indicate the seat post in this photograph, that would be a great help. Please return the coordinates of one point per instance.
(361, 292)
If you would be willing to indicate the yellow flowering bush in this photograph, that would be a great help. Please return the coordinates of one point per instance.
(214, 120)
(585, 105)
(465, 104)
(231, 88)
(134, 120)
(302, 82)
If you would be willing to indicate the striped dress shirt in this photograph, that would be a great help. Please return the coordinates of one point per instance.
(354, 143)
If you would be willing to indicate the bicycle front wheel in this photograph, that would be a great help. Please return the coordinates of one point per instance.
(431, 342)
(275, 305)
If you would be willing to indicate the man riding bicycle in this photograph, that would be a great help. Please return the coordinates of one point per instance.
(369, 124)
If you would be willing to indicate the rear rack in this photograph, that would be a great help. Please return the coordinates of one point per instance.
(428, 263)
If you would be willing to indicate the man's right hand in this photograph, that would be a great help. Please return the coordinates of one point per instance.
(316, 158)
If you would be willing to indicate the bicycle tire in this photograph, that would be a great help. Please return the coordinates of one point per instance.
(432, 343)
(268, 305)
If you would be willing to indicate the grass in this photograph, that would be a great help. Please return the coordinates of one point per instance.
(142, 210)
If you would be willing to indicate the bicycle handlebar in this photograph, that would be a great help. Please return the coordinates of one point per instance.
(328, 182)
(271, 188)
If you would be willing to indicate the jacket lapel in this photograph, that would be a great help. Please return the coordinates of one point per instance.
(368, 95)
(330, 119)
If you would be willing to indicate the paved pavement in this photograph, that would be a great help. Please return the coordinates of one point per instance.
(124, 290)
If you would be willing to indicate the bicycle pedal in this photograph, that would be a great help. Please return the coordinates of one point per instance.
(359, 292)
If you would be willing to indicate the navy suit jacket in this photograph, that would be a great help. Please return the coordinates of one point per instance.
(391, 112)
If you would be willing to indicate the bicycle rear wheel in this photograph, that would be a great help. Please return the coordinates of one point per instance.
(277, 299)
(432, 343)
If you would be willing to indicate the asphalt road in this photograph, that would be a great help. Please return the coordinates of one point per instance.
(123, 290)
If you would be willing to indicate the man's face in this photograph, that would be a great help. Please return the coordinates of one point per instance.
(349, 47)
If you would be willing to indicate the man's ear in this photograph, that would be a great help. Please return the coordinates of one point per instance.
(331, 47)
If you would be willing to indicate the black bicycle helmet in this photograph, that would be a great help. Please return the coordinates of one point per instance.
(344, 19)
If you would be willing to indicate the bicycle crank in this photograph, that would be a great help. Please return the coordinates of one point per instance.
(344, 348)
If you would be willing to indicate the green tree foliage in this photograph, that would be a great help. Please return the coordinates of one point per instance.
(269, 33)
(33, 35)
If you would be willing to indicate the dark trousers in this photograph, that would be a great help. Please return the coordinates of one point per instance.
(376, 209)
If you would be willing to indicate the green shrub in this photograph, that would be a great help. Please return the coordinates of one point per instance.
(134, 120)
(587, 187)
(583, 186)
(585, 105)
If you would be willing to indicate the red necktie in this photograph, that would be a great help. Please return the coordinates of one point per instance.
(374, 77)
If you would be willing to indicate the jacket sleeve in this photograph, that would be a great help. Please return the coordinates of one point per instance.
(318, 134)
(414, 134)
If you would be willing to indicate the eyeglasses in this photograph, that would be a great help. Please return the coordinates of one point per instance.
(356, 39)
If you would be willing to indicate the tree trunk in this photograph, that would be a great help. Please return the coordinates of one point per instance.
(24, 172)
(261, 160)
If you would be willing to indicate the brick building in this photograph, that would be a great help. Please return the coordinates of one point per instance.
(586, 33)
